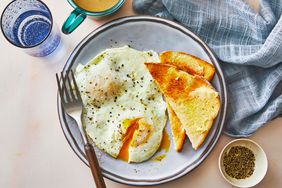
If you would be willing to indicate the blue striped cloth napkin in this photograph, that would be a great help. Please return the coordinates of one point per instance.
(249, 47)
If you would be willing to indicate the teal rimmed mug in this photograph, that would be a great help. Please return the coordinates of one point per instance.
(78, 15)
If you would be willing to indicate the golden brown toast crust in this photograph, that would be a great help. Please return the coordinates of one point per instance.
(188, 63)
(178, 132)
(177, 85)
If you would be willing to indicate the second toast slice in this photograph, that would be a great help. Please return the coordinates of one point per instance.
(188, 63)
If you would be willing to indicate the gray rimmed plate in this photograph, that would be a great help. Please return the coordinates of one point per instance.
(146, 33)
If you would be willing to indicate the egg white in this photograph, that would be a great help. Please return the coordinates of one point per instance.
(115, 86)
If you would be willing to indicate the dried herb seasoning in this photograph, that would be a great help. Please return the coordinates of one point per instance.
(239, 162)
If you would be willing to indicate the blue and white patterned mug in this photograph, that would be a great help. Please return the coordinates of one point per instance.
(28, 24)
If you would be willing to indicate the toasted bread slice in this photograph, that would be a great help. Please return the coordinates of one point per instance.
(188, 63)
(194, 66)
(178, 132)
(192, 98)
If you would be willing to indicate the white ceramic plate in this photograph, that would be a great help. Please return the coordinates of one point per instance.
(146, 33)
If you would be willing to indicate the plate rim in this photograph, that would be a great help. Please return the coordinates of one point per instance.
(222, 83)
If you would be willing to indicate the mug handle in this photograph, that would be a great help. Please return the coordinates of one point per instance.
(73, 21)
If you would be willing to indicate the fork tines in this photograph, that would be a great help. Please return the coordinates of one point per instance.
(68, 88)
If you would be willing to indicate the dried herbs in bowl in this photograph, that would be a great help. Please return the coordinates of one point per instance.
(239, 162)
(243, 163)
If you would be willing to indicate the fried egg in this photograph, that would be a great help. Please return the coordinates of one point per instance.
(124, 111)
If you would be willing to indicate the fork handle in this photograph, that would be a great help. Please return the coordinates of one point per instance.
(94, 166)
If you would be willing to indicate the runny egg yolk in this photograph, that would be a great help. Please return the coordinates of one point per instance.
(165, 142)
(133, 125)
(137, 133)
(159, 158)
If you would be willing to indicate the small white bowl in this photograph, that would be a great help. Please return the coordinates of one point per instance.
(260, 163)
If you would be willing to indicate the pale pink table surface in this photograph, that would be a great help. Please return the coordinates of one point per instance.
(34, 152)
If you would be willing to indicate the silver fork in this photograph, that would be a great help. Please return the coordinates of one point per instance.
(72, 104)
